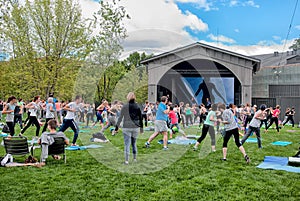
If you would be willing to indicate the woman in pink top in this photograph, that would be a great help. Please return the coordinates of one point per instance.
(275, 114)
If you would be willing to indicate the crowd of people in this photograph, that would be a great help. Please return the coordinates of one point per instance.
(168, 118)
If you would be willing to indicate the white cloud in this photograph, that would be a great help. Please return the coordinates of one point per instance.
(221, 38)
(234, 3)
(202, 4)
(276, 37)
(251, 3)
(262, 47)
(158, 26)
(159, 23)
(297, 27)
(237, 30)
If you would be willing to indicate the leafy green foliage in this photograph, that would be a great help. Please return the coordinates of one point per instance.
(47, 40)
(296, 45)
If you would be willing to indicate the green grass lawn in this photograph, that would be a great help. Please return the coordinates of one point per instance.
(177, 174)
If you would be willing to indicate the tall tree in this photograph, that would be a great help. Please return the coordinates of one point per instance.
(107, 43)
(49, 40)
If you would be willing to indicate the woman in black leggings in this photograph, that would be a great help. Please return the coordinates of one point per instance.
(33, 108)
(231, 128)
(9, 109)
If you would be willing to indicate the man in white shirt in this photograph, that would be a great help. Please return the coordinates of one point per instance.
(69, 120)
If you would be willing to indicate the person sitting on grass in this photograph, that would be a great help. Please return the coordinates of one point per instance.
(47, 138)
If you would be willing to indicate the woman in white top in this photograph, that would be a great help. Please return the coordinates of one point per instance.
(33, 107)
(49, 112)
(9, 109)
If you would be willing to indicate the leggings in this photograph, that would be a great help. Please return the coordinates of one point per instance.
(265, 121)
(188, 119)
(144, 117)
(89, 116)
(249, 132)
(11, 126)
(289, 118)
(18, 119)
(273, 119)
(32, 120)
(228, 134)
(46, 124)
(207, 128)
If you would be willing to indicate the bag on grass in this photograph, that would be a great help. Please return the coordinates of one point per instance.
(6, 159)
(30, 159)
(5, 129)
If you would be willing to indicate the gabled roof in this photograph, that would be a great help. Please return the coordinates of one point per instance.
(198, 44)
(275, 60)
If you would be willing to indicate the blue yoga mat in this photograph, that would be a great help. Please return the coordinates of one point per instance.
(75, 148)
(93, 146)
(253, 140)
(84, 131)
(183, 142)
(277, 163)
(3, 135)
(177, 141)
(78, 148)
(34, 142)
(281, 143)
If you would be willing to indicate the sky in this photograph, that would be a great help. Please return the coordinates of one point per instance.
(248, 27)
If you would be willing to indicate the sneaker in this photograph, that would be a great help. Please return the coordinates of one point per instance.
(223, 159)
(126, 163)
(165, 148)
(195, 148)
(134, 160)
(147, 144)
(247, 159)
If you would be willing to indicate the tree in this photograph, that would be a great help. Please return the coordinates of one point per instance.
(107, 43)
(296, 45)
(49, 41)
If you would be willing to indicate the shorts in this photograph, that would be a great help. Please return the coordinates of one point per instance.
(160, 126)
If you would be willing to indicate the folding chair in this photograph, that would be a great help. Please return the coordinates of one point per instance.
(16, 145)
(58, 148)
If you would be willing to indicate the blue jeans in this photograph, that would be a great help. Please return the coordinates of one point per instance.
(130, 137)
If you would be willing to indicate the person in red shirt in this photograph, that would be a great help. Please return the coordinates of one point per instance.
(173, 120)
(275, 114)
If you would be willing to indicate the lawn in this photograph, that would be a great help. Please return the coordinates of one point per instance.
(177, 174)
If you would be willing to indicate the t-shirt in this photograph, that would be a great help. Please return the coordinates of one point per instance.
(57, 106)
(276, 113)
(160, 115)
(208, 121)
(45, 135)
(255, 122)
(70, 114)
(10, 116)
(229, 117)
(173, 117)
(33, 111)
(188, 111)
(49, 113)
